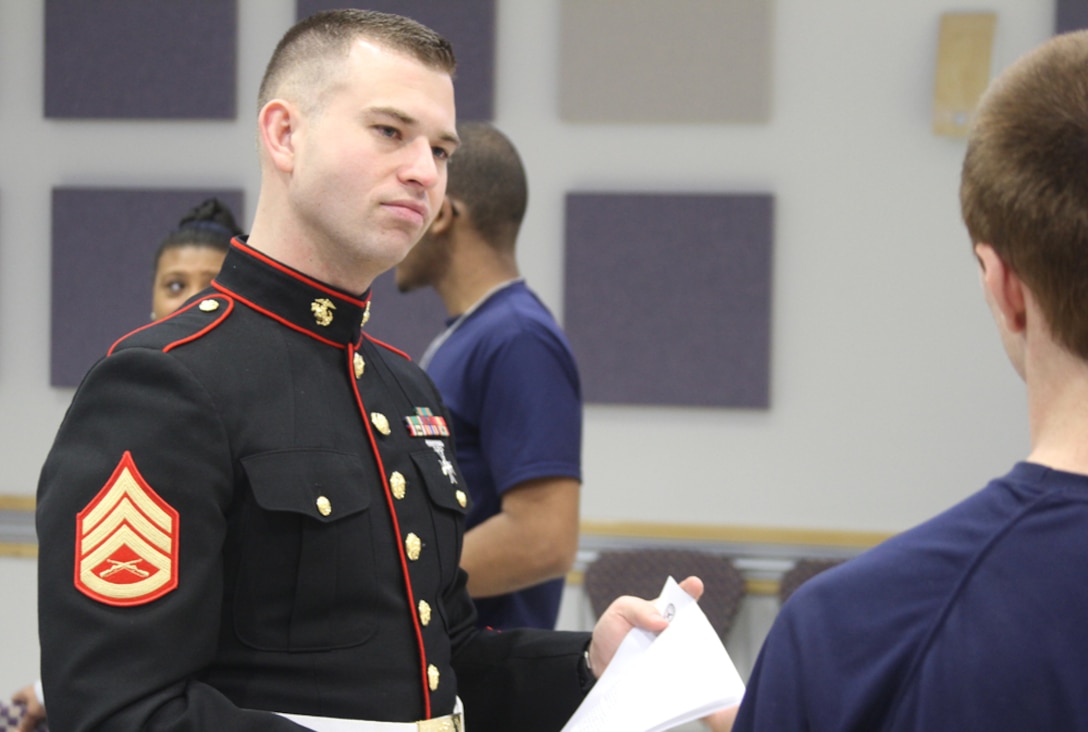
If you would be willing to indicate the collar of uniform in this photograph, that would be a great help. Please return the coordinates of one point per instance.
(285, 294)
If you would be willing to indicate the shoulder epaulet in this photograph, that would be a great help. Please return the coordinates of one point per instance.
(184, 325)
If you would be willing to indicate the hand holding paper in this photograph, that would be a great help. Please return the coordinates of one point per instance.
(657, 681)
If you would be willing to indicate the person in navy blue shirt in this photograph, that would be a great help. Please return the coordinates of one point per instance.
(974, 619)
(507, 375)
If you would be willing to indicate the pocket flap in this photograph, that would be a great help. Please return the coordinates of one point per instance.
(322, 484)
(447, 489)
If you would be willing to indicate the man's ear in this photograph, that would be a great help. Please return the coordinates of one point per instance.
(443, 220)
(1004, 288)
(275, 126)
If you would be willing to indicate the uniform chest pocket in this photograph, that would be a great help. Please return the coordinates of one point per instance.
(450, 500)
(305, 578)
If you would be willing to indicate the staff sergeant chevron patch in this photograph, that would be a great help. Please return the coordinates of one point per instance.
(126, 541)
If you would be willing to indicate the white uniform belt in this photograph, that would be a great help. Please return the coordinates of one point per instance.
(449, 723)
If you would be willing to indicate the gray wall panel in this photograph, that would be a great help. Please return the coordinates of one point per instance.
(104, 241)
(124, 59)
(668, 297)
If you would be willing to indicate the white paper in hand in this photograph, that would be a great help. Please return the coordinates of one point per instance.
(656, 682)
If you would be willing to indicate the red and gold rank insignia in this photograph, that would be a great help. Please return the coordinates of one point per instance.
(126, 541)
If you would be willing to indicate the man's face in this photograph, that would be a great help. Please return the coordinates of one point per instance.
(370, 162)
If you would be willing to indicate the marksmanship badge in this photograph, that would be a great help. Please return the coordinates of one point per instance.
(443, 462)
(126, 541)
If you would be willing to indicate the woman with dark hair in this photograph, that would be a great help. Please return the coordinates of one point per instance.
(191, 255)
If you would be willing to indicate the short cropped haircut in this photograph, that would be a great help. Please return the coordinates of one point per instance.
(302, 56)
(1024, 186)
(486, 174)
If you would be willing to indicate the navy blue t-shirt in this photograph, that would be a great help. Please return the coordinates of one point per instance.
(974, 620)
(509, 381)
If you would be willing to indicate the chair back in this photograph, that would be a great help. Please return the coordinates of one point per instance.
(642, 573)
(801, 572)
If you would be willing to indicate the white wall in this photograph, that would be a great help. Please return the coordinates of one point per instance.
(890, 395)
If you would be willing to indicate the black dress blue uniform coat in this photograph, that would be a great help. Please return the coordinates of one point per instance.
(316, 537)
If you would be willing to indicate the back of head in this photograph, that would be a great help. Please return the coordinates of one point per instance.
(1024, 187)
(302, 63)
(487, 176)
(209, 224)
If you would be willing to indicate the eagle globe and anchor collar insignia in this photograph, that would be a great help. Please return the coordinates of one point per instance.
(126, 541)
(322, 308)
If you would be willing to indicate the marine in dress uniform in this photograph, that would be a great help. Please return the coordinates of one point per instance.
(251, 506)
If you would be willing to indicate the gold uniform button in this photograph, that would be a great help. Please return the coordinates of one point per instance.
(414, 546)
(380, 422)
(208, 306)
(432, 676)
(424, 613)
(462, 499)
(360, 365)
(398, 485)
(324, 507)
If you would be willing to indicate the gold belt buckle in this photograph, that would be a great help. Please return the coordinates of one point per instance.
(448, 723)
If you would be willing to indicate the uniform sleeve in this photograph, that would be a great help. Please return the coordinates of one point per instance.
(528, 680)
(531, 374)
(122, 648)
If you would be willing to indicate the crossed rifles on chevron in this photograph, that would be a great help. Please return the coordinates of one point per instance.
(124, 567)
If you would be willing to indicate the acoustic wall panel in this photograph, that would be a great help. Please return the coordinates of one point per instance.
(407, 321)
(468, 24)
(1070, 15)
(963, 70)
(128, 59)
(668, 297)
(104, 241)
(665, 61)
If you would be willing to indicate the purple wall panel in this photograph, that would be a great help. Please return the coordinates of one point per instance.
(134, 59)
(468, 24)
(668, 297)
(405, 321)
(104, 241)
(1070, 15)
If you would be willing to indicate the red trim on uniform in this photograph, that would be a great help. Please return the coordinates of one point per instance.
(277, 318)
(206, 329)
(400, 539)
(386, 346)
(153, 322)
(297, 275)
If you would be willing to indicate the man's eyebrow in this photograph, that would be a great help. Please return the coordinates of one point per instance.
(408, 120)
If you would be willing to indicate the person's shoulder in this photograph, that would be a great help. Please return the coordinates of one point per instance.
(921, 565)
(195, 321)
(392, 355)
(397, 360)
(516, 312)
